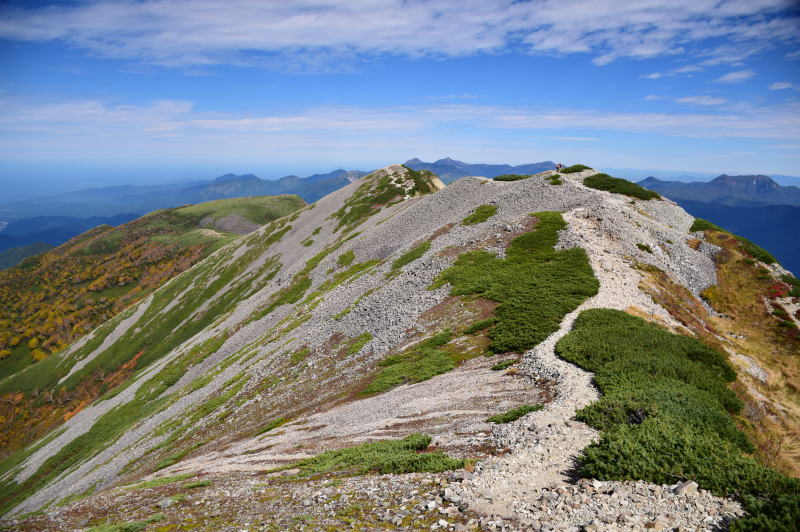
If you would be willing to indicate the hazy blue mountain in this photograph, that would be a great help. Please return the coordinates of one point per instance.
(736, 191)
(772, 227)
(449, 169)
(12, 257)
(140, 200)
(53, 230)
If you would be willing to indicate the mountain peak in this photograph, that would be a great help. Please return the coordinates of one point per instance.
(756, 182)
(235, 177)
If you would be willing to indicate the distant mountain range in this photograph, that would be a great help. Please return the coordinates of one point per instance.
(109, 201)
(449, 169)
(733, 191)
(53, 230)
(754, 206)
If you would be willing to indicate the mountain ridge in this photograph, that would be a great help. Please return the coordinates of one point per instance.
(742, 191)
(269, 352)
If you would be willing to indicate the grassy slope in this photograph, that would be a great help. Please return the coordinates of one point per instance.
(61, 295)
(219, 283)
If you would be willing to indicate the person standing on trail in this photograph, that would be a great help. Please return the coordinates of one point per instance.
(559, 166)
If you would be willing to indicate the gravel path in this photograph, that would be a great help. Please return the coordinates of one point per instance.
(538, 473)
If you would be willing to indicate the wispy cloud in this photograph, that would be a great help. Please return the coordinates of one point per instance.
(783, 85)
(737, 76)
(164, 122)
(319, 34)
(701, 100)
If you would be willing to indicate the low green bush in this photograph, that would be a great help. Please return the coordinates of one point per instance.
(645, 247)
(384, 457)
(514, 414)
(619, 186)
(794, 284)
(346, 258)
(274, 424)
(418, 364)
(574, 169)
(511, 177)
(133, 526)
(704, 225)
(358, 343)
(197, 484)
(500, 366)
(154, 483)
(481, 214)
(535, 284)
(411, 256)
(665, 413)
(480, 325)
(754, 250)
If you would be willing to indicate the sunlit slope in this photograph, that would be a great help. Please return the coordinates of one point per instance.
(55, 298)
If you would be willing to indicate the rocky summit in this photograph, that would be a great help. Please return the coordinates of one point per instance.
(556, 351)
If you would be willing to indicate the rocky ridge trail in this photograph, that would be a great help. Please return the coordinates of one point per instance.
(303, 360)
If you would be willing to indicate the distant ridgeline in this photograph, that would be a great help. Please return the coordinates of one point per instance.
(754, 206)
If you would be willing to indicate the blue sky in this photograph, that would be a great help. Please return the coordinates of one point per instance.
(104, 92)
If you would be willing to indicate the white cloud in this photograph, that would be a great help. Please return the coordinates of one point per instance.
(736, 76)
(324, 34)
(781, 85)
(173, 129)
(651, 97)
(701, 100)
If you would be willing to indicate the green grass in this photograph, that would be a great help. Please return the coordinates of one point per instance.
(511, 177)
(665, 413)
(383, 457)
(299, 355)
(258, 209)
(274, 424)
(411, 256)
(346, 258)
(156, 482)
(480, 325)
(132, 526)
(754, 250)
(197, 484)
(513, 414)
(481, 214)
(177, 457)
(574, 169)
(619, 186)
(794, 283)
(535, 285)
(500, 366)
(358, 343)
(418, 364)
(644, 247)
